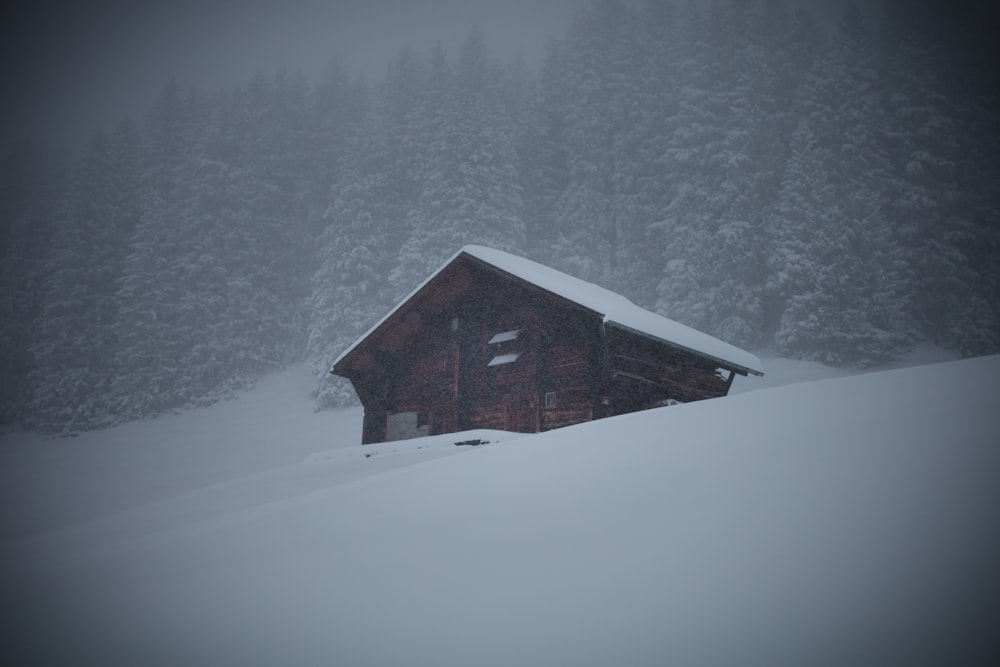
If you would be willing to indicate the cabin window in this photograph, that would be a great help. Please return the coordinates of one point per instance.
(550, 400)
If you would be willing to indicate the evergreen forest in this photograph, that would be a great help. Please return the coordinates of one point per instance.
(823, 193)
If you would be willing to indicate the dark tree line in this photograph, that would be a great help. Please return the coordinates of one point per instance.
(830, 195)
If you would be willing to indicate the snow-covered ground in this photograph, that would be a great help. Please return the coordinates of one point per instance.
(812, 517)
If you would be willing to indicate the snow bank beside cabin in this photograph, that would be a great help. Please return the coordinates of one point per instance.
(850, 521)
(46, 483)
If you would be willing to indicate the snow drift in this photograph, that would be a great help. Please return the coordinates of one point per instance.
(849, 521)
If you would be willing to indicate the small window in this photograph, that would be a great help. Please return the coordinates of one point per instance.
(550, 400)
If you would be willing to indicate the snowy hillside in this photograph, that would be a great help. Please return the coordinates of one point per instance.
(851, 520)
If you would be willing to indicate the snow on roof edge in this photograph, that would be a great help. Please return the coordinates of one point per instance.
(615, 308)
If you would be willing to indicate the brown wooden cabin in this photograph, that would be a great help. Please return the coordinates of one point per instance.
(495, 341)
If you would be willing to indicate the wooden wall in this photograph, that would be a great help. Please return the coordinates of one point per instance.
(644, 374)
(571, 359)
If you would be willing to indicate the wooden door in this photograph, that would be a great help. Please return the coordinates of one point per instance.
(522, 415)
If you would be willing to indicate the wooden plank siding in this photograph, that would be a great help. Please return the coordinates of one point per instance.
(644, 374)
(572, 342)
(503, 395)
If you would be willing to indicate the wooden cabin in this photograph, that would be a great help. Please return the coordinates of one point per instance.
(496, 341)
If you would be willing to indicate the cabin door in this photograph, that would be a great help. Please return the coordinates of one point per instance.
(522, 415)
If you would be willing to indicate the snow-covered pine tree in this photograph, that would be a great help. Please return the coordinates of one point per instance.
(202, 231)
(153, 297)
(745, 162)
(427, 121)
(836, 267)
(964, 41)
(800, 178)
(75, 376)
(262, 227)
(34, 187)
(364, 223)
(541, 153)
(695, 156)
(125, 209)
(643, 84)
(924, 198)
(599, 94)
(804, 235)
(349, 284)
(354, 256)
(879, 286)
(469, 189)
(216, 279)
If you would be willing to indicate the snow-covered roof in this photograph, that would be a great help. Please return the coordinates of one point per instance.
(616, 309)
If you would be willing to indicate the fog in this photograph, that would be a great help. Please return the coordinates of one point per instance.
(74, 66)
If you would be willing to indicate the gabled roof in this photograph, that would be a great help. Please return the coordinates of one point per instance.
(617, 311)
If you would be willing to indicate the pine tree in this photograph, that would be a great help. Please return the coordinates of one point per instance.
(469, 189)
(355, 254)
(696, 156)
(864, 179)
(802, 188)
(837, 268)
(152, 299)
(363, 224)
(125, 212)
(349, 287)
(643, 81)
(34, 182)
(542, 160)
(75, 378)
(600, 96)
(261, 230)
(964, 38)
(924, 197)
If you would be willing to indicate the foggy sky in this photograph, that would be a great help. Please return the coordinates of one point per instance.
(71, 66)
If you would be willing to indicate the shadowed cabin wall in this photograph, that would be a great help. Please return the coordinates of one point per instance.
(643, 374)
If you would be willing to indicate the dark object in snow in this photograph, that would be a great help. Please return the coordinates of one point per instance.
(495, 341)
(472, 443)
